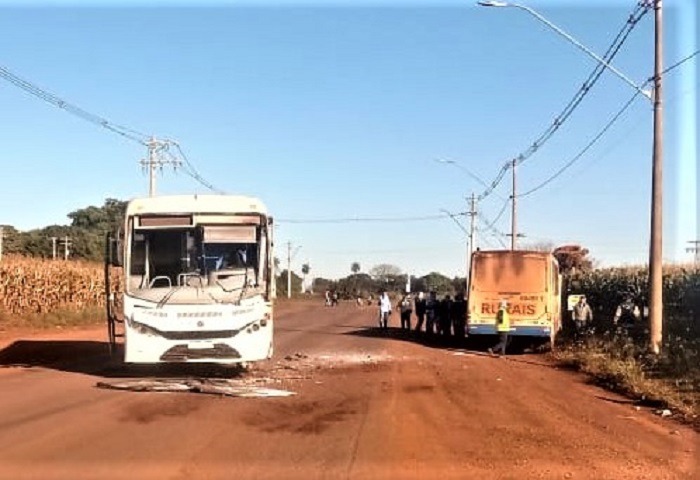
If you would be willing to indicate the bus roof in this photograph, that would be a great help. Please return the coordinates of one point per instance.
(167, 204)
(538, 253)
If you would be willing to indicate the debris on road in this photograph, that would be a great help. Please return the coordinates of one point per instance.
(664, 413)
(230, 388)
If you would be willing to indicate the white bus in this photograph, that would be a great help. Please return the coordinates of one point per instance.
(197, 280)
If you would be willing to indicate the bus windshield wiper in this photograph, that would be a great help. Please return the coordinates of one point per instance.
(166, 298)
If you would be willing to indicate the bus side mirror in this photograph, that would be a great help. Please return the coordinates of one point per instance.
(113, 247)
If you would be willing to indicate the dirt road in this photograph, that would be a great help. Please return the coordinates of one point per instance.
(367, 405)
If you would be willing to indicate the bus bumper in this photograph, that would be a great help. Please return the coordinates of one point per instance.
(519, 331)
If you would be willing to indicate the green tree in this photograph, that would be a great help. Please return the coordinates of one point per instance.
(355, 267)
(305, 269)
(572, 259)
(438, 282)
(385, 272)
(12, 239)
(282, 283)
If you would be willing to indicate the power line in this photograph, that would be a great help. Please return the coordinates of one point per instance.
(73, 109)
(595, 139)
(493, 235)
(500, 213)
(155, 147)
(370, 219)
(388, 251)
(192, 172)
(640, 10)
(678, 63)
(588, 146)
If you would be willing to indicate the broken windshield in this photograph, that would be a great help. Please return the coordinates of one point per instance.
(226, 258)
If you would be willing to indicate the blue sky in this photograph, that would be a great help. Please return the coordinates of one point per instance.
(331, 110)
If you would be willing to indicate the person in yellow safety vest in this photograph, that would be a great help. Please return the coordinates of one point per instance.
(503, 327)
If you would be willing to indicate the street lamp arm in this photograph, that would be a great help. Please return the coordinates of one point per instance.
(467, 171)
(571, 39)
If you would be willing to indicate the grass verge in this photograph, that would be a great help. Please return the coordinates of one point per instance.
(57, 319)
(620, 362)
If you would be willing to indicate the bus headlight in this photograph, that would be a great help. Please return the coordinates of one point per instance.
(142, 328)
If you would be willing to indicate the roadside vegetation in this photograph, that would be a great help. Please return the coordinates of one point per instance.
(619, 359)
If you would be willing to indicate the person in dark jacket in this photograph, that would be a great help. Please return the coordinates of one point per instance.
(444, 324)
(406, 310)
(431, 313)
(419, 306)
(459, 317)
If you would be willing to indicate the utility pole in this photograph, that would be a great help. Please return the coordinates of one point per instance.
(66, 243)
(513, 217)
(53, 247)
(2, 234)
(289, 269)
(655, 243)
(472, 214)
(694, 249)
(472, 227)
(157, 161)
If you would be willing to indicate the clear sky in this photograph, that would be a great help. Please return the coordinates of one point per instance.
(333, 110)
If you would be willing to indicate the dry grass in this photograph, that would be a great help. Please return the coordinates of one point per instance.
(620, 362)
(56, 319)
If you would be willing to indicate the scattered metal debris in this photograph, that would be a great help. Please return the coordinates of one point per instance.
(231, 388)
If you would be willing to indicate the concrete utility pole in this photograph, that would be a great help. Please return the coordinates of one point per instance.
(472, 222)
(656, 304)
(53, 247)
(513, 217)
(66, 243)
(2, 234)
(157, 161)
(289, 269)
(472, 228)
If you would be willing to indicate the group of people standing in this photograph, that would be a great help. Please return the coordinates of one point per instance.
(446, 317)
(627, 316)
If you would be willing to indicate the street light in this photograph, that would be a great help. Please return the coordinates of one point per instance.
(486, 3)
(469, 238)
(464, 169)
(656, 227)
(472, 200)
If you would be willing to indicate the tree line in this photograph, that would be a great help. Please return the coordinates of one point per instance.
(89, 226)
(86, 234)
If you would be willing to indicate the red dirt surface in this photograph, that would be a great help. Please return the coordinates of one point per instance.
(367, 405)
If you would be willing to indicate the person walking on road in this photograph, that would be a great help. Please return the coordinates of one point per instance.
(420, 311)
(406, 310)
(502, 327)
(582, 316)
(384, 310)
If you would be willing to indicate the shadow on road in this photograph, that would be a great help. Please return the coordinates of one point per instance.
(93, 358)
(476, 346)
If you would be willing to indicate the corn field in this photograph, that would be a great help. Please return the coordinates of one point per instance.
(30, 286)
(606, 288)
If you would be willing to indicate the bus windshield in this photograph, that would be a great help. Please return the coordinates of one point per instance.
(226, 257)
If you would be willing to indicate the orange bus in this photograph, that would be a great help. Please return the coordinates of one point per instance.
(528, 280)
